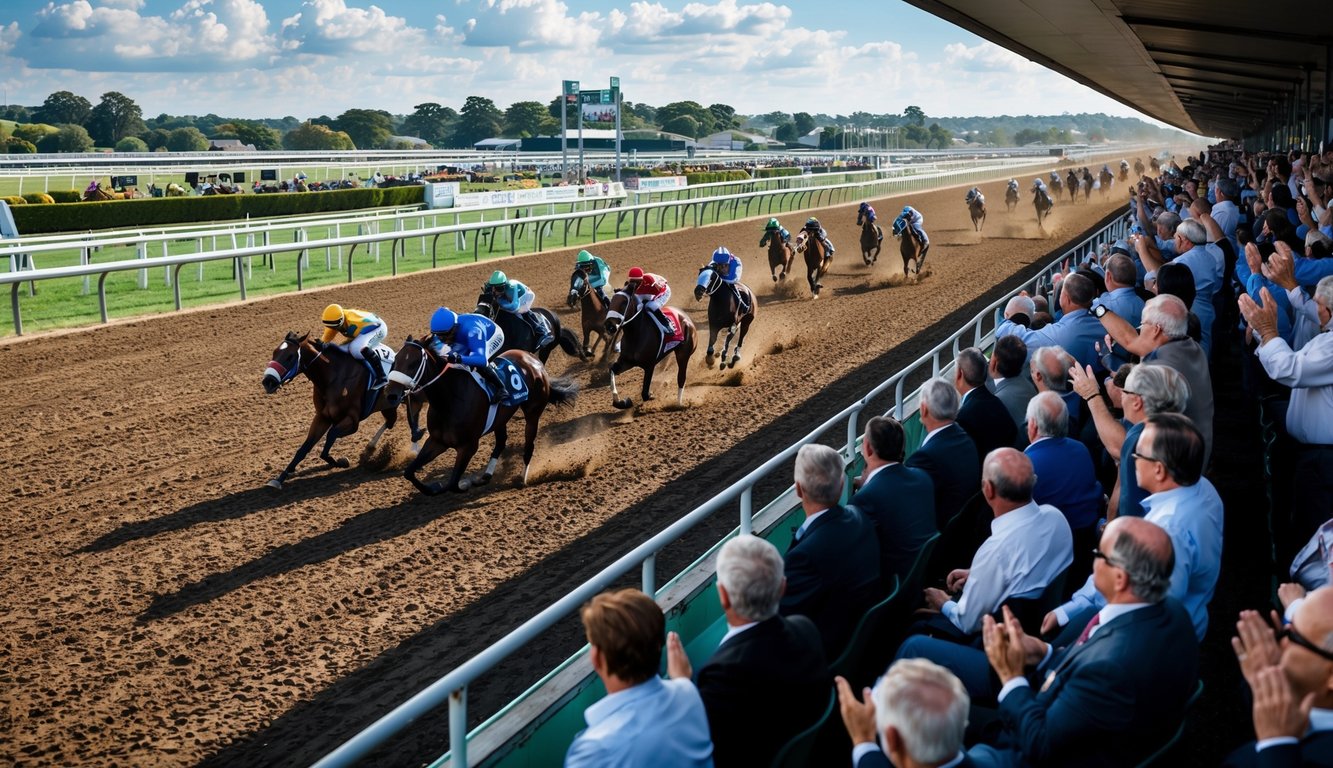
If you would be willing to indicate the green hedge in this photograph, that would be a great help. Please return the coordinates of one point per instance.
(709, 177)
(116, 214)
(768, 173)
(66, 195)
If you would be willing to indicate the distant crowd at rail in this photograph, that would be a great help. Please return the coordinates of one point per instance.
(1048, 555)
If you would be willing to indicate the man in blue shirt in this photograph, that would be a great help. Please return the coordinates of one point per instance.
(1077, 331)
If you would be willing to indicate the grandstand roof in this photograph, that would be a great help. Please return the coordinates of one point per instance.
(1216, 69)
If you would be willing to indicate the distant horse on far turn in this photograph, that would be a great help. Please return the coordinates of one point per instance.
(1072, 183)
(816, 260)
(727, 308)
(1011, 195)
(340, 382)
(872, 238)
(976, 206)
(780, 254)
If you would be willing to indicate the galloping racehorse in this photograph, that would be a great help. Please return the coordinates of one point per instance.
(460, 410)
(340, 397)
(911, 248)
(872, 238)
(593, 316)
(780, 254)
(1072, 183)
(1011, 195)
(1042, 202)
(816, 261)
(1087, 185)
(1057, 185)
(1124, 170)
(1138, 167)
(642, 345)
(976, 205)
(725, 310)
(519, 335)
(1106, 178)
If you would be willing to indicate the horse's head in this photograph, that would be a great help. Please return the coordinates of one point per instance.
(708, 281)
(617, 314)
(485, 305)
(287, 361)
(578, 286)
(410, 368)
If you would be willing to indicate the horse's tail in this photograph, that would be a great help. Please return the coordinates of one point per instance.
(570, 343)
(564, 391)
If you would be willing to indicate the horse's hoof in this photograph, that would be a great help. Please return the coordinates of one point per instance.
(462, 486)
(342, 463)
(622, 404)
(482, 480)
(434, 489)
(775, 278)
(275, 484)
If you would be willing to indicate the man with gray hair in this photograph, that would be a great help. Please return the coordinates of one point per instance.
(918, 709)
(1307, 367)
(832, 565)
(1050, 373)
(1066, 478)
(947, 453)
(1204, 259)
(1076, 331)
(768, 675)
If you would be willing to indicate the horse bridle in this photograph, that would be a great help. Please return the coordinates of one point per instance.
(611, 314)
(285, 375)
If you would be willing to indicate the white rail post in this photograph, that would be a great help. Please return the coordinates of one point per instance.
(747, 510)
(650, 575)
(142, 249)
(458, 728)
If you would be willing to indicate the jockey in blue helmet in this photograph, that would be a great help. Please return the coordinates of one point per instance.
(911, 217)
(468, 340)
(867, 212)
(727, 265)
(517, 299)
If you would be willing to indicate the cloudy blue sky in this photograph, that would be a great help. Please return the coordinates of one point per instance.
(270, 58)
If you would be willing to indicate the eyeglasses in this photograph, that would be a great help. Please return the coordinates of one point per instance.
(1138, 455)
(1297, 638)
(1097, 554)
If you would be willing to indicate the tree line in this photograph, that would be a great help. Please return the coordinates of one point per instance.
(67, 122)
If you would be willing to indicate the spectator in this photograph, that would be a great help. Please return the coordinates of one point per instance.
(1076, 331)
(1120, 296)
(643, 720)
(980, 412)
(1066, 478)
(1205, 261)
(1116, 692)
(899, 500)
(768, 675)
(1011, 384)
(1050, 373)
(833, 563)
(1168, 464)
(947, 453)
(918, 709)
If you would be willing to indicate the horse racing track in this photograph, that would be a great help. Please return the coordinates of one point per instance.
(160, 606)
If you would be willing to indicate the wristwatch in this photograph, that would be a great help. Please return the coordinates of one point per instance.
(1099, 310)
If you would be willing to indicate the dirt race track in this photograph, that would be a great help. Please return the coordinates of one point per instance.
(160, 606)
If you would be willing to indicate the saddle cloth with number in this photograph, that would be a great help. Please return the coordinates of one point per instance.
(516, 384)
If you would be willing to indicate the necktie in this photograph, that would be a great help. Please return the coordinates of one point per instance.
(1083, 638)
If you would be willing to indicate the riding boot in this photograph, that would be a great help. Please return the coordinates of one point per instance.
(664, 322)
(493, 377)
(540, 328)
(601, 295)
(378, 376)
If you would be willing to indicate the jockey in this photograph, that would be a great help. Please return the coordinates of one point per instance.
(468, 340)
(652, 293)
(365, 333)
(974, 194)
(596, 272)
(1039, 188)
(728, 267)
(516, 299)
(867, 211)
(816, 229)
(911, 217)
(1055, 178)
(774, 229)
(1013, 187)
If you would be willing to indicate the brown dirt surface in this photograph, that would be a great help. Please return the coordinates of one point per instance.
(160, 606)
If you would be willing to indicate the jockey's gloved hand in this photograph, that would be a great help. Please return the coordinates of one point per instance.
(452, 357)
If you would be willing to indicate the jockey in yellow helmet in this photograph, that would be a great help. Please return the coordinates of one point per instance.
(365, 333)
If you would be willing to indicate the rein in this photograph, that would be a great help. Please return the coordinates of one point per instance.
(411, 384)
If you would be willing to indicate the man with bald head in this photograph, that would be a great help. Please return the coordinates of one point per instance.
(1076, 330)
(1292, 685)
(1112, 691)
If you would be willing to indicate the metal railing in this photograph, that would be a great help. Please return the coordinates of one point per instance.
(453, 686)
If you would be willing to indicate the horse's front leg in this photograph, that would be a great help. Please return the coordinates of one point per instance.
(429, 451)
(532, 418)
(648, 382)
(501, 440)
(726, 344)
(712, 344)
(462, 455)
(414, 422)
(616, 400)
(317, 429)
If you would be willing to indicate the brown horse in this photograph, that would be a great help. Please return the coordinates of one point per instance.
(593, 312)
(1087, 185)
(872, 238)
(780, 254)
(519, 335)
(1011, 195)
(1138, 167)
(1072, 183)
(910, 246)
(460, 410)
(340, 397)
(1042, 202)
(976, 206)
(1124, 170)
(727, 308)
(1105, 179)
(816, 260)
(641, 346)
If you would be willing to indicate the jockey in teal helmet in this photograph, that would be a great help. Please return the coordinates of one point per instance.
(596, 272)
(515, 298)
(470, 341)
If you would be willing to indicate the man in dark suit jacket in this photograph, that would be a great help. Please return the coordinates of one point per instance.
(947, 454)
(1011, 382)
(919, 708)
(768, 678)
(980, 413)
(1116, 693)
(1281, 679)
(833, 563)
(898, 500)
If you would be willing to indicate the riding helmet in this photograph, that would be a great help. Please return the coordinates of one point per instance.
(649, 281)
(584, 258)
(907, 210)
(333, 316)
(497, 278)
(443, 320)
(721, 255)
(812, 222)
(864, 206)
(773, 224)
(635, 273)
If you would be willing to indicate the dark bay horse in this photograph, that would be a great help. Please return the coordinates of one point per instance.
(460, 411)
(1138, 166)
(976, 206)
(1072, 183)
(1087, 185)
(780, 254)
(592, 312)
(911, 248)
(1057, 185)
(1011, 197)
(339, 382)
(724, 311)
(1043, 203)
(872, 238)
(641, 344)
(816, 261)
(519, 335)
(1105, 179)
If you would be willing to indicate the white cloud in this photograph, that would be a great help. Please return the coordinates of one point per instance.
(531, 25)
(331, 28)
(987, 57)
(9, 35)
(129, 5)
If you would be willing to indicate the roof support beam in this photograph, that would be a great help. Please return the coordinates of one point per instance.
(1222, 29)
(1228, 71)
(1230, 58)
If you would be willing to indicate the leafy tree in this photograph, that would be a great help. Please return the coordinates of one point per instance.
(939, 135)
(16, 146)
(916, 133)
(309, 135)
(571, 112)
(724, 117)
(914, 115)
(33, 132)
(155, 138)
(115, 117)
(251, 132)
(64, 107)
(805, 123)
(16, 112)
(831, 137)
(640, 110)
(187, 140)
(685, 125)
(1028, 136)
(369, 128)
(69, 138)
(772, 118)
(527, 118)
(999, 137)
(786, 132)
(131, 144)
(479, 119)
(668, 113)
(431, 122)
